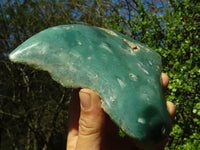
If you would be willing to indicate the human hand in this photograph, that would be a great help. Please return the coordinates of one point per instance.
(90, 128)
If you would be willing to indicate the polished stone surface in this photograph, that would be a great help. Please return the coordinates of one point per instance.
(124, 72)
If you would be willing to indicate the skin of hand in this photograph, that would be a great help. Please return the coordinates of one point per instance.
(90, 128)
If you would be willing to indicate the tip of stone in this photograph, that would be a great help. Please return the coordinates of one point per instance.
(13, 56)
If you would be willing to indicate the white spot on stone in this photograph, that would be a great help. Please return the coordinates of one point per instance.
(143, 47)
(141, 120)
(130, 51)
(89, 58)
(79, 43)
(133, 77)
(103, 45)
(95, 76)
(121, 83)
(43, 51)
(66, 28)
(112, 99)
(150, 63)
(158, 67)
(72, 68)
(144, 70)
(163, 130)
(139, 65)
(147, 50)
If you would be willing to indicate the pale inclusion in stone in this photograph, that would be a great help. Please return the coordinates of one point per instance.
(141, 120)
(121, 83)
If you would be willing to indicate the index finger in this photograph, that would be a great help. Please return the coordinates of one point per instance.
(164, 80)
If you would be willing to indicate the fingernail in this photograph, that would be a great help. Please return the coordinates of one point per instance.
(85, 100)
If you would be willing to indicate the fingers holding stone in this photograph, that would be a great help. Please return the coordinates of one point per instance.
(164, 80)
(171, 109)
(91, 121)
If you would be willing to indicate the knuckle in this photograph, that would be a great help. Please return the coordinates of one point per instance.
(87, 128)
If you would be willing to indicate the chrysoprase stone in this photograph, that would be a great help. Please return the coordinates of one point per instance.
(124, 72)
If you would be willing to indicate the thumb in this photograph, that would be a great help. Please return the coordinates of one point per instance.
(91, 121)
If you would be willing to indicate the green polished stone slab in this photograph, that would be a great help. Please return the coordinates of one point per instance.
(124, 72)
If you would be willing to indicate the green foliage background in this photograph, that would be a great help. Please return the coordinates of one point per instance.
(34, 109)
